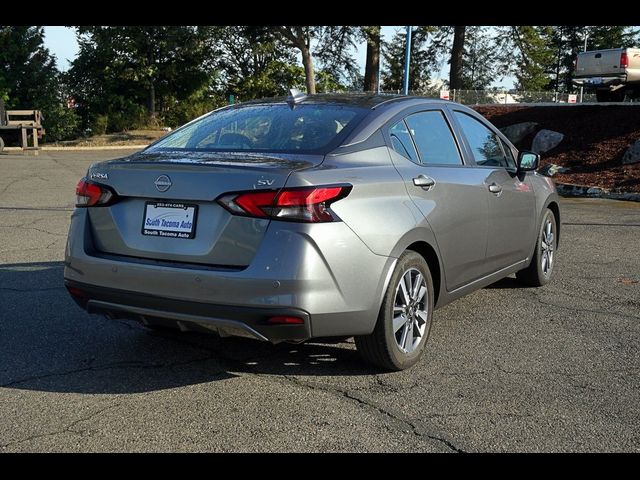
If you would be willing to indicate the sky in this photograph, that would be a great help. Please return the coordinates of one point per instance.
(61, 41)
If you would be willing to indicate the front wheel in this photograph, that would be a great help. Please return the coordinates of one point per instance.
(404, 321)
(541, 269)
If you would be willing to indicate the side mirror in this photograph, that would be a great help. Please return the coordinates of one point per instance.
(528, 161)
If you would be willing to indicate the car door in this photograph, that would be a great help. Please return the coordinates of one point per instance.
(450, 195)
(511, 200)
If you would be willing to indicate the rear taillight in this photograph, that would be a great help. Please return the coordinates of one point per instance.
(307, 204)
(90, 194)
(624, 60)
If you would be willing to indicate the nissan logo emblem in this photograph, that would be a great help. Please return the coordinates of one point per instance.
(163, 183)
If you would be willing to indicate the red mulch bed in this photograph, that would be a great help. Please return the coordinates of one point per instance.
(596, 137)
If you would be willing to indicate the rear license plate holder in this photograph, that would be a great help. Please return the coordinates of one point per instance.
(170, 219)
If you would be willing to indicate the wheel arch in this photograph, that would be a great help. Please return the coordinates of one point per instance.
(555, 208)
(422, 241)
(431, 257)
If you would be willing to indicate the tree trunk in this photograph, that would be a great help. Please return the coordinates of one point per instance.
(309, 74)
(457, 52)
(152, 100)
(372, 65)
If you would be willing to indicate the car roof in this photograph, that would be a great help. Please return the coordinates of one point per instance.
(362, 100)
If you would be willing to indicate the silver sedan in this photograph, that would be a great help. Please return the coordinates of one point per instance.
(312, 216)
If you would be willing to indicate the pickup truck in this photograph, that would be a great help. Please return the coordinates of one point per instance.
(613, 73)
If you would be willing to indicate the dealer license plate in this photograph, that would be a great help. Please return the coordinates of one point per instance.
(167, 219)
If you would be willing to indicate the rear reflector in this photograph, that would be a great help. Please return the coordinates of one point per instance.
(306, 204)
(90, 194)
(76, 292)
(285, 320)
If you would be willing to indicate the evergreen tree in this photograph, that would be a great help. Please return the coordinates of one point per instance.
(479, 59)
(254, 63)
(525, 52)
(125, 75)
(422, 60)
(371, 35)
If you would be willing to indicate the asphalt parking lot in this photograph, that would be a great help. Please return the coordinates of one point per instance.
(507, 369)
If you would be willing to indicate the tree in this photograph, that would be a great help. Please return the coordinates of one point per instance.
(372, 64)
(457, 58)
(254, 63)
(422, 60)
(300, 37)
(123, 71)
(333, 51)
(479, 59)
(607, 36)
(525, 53)
(29, 79)
(470, 52)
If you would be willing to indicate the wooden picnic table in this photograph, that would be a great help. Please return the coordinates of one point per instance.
(20, 122)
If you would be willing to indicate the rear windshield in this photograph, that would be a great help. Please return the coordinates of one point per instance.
(306, 128)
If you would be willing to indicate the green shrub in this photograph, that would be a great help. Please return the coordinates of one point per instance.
(98, 124)
(60, 123)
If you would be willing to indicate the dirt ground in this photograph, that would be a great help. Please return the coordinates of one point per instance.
(596, 137)
(132, 137)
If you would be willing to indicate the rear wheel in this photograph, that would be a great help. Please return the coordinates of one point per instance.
(404, 321)
(541, 269)
(609, 96)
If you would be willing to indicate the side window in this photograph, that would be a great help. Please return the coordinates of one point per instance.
(401, 141)
(507, 151)
(433, 138)
(484, 144)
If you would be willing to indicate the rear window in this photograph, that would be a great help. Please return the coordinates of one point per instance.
(270, 128)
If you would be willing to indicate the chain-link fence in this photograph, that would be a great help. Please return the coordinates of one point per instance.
(479, 97)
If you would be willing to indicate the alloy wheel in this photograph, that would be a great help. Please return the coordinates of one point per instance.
(410, 310)
(547, 242)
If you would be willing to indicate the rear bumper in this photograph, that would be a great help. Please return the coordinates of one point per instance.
(320, 272)
(600, 82)
(226, 320)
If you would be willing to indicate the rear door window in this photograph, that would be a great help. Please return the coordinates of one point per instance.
(433, 138)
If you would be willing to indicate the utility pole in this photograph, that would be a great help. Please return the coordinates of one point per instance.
(407, 61)
(379, 70)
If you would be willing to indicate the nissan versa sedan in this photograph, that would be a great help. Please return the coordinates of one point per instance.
(300, 217)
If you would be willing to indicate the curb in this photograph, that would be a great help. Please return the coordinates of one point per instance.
(53, 149)
(571, 190)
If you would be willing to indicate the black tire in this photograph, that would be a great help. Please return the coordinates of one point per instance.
(609, 96)
(536, 275)
(618, 95)
(1, 144)
(381, 348)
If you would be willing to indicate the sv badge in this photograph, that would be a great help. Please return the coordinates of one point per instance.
(263, 182)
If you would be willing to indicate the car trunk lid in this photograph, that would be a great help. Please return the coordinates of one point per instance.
(159, 194)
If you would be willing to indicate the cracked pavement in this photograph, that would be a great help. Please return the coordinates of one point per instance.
(507, 368)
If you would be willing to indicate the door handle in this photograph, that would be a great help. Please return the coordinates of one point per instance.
(423, 181)
(495, 188)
